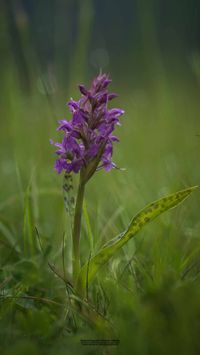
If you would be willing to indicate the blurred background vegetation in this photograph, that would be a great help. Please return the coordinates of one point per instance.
(151, 50)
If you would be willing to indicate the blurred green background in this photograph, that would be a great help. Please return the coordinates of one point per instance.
(151, 50)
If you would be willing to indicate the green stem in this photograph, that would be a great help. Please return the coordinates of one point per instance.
(77, 229)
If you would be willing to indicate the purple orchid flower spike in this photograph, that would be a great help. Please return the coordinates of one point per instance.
(87, 145)
(88, 139)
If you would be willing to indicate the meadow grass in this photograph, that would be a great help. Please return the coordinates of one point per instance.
(149, 292)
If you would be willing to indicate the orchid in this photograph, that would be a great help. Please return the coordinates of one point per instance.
(87, 146)
(88, 136)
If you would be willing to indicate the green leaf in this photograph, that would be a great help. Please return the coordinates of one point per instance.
(68, 194)
(147, 214)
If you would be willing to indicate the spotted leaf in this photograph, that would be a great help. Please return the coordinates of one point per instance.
(146, 215)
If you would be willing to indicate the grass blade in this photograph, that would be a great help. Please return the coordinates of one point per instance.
(28, 239)
(88, 225)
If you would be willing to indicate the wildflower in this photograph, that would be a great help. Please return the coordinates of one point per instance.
(88, 137)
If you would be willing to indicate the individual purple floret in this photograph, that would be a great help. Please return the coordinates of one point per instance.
(88, 139)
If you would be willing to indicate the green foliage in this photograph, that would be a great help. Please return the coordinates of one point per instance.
(88, 226)
(146, 215)
(149, 292)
